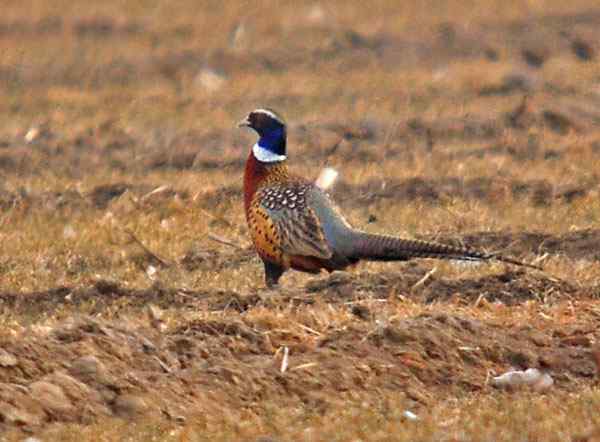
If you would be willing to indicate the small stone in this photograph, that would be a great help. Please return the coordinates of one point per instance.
(51, 397)
(151, 271)
(544, 382)
(32, 134)
(7, 359)
(410, 415)
(128, 405)
(532, 377)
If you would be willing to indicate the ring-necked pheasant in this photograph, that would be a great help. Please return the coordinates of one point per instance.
(294, 224)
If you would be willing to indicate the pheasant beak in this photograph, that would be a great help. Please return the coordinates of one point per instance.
(244, 123)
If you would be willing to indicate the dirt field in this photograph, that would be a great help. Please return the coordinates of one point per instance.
(124, 318)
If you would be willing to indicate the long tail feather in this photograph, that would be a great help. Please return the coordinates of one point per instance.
(373, 247)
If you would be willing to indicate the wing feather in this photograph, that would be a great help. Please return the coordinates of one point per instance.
(297, 224)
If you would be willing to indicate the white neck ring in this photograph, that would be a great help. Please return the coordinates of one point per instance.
(265, 155)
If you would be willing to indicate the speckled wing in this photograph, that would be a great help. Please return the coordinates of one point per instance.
(296, 223)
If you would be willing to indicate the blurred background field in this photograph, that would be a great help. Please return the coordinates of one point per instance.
(120, 164)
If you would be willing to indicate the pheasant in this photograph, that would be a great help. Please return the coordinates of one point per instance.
(294, 224)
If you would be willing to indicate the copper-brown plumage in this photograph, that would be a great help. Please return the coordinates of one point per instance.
(294, 224)
(272, 188)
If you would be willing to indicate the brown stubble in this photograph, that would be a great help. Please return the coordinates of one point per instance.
(128, 98)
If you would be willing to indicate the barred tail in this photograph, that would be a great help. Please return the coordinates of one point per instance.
(373, 247)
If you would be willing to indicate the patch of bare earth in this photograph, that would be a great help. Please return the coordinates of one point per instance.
(88, 368)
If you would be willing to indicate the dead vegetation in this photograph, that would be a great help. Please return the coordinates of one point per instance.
(132, 305)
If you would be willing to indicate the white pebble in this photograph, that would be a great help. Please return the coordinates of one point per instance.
(410, 415)
(531, 377)
(151, 271)
(32, 134)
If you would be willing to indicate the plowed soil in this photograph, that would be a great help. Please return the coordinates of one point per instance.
(129, 289)
(84, 367)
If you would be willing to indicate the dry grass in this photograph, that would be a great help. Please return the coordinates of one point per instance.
(496, 417)
(101, 105)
